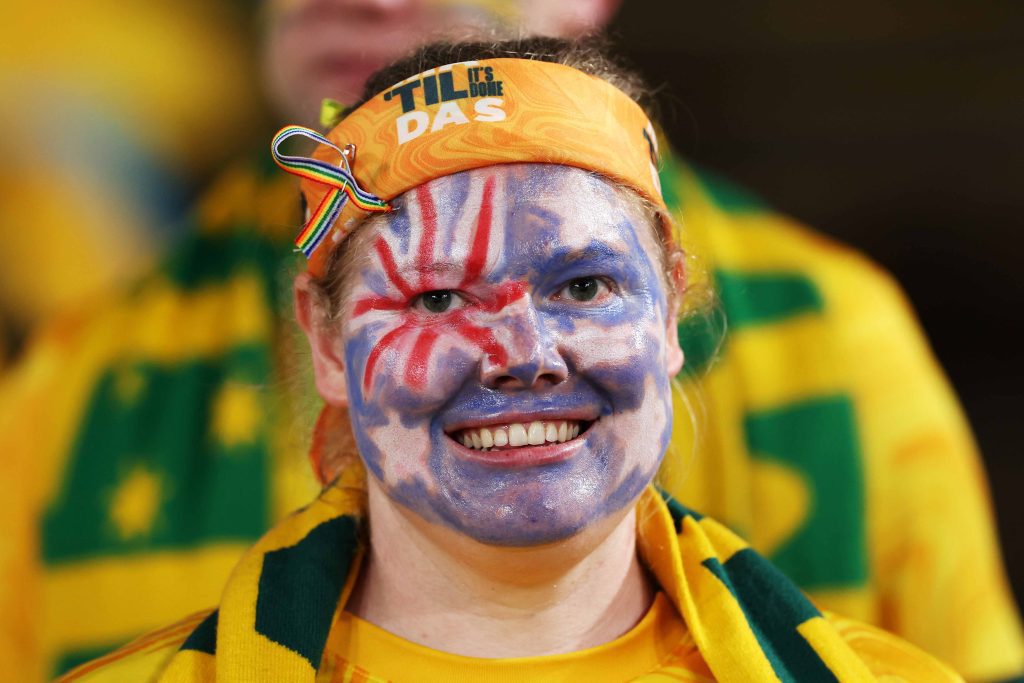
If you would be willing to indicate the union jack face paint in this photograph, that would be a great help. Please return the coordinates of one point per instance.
(507, 352)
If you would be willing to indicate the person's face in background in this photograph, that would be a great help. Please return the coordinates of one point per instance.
(327, 48)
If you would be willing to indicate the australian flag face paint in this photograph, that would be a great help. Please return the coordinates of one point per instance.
(507, 353)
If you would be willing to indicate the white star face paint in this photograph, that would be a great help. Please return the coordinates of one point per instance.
(507, 353)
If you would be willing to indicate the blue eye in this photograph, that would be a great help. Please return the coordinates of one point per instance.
(439, 300)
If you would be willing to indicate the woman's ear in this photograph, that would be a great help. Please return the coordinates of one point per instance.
(674, 357)
(324, 341)
(673, 350)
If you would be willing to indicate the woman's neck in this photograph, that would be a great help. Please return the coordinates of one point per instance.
(435, 587)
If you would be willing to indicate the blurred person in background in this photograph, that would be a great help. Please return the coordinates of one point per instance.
(157, 436)
(101, 105)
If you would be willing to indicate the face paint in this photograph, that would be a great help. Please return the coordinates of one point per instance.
(506, 351)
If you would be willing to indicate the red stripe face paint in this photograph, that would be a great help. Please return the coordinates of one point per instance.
(387, 262)
(508, 336)
(492, 299)
(478, 253)
(428, 219)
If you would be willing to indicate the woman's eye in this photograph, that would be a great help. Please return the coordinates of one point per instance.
(439, 300)
(584, 288)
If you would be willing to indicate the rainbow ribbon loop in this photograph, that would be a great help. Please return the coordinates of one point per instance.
(340, 179)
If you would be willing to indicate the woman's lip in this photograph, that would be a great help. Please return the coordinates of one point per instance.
(523, 456)
(521, 418)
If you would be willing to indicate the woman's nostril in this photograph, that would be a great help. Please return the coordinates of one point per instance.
(514, 381)
(506, 382)
(551, 378)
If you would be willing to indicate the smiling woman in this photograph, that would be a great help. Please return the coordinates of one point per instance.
(497, 327)
(491, 308)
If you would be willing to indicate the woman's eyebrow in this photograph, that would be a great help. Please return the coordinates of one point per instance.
(594, 254)
(436, 268)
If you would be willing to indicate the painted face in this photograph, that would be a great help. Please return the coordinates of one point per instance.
(506, 353)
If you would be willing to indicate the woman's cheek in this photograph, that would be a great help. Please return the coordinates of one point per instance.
(415, 373)
(447, 371)
(627, 361)
(596, 343)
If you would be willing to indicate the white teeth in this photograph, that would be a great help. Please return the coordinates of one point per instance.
(516, 435)
(551, 432)
(521, 434)
(536, 433)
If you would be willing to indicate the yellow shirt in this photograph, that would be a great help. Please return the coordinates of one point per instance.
(359, 651)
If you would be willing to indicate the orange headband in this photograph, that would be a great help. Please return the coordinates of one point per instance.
(464, 116)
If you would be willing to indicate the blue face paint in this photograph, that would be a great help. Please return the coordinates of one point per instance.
(549, 314)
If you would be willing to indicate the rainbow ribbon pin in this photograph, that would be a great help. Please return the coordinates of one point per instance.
(340, 179)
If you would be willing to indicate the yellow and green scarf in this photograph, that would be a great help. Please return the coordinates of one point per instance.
(749, 622)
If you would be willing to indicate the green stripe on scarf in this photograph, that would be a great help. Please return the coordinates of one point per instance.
(300, 586)
(774, 608)
(677, 510)
(204, 638)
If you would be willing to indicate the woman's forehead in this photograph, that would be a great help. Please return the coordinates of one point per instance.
(510, 217)
(546, 203)
(550, 185)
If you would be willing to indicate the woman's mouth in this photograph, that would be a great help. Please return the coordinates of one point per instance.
(520, 434)
(527, 439)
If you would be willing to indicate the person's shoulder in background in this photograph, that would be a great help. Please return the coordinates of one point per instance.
(213, 303)
(890, 658)
(923, 478)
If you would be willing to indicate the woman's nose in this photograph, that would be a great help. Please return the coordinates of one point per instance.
(531, 355)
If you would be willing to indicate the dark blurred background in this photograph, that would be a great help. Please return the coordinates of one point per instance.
(896, 127)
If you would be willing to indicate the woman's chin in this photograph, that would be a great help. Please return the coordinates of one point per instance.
(529, 514)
